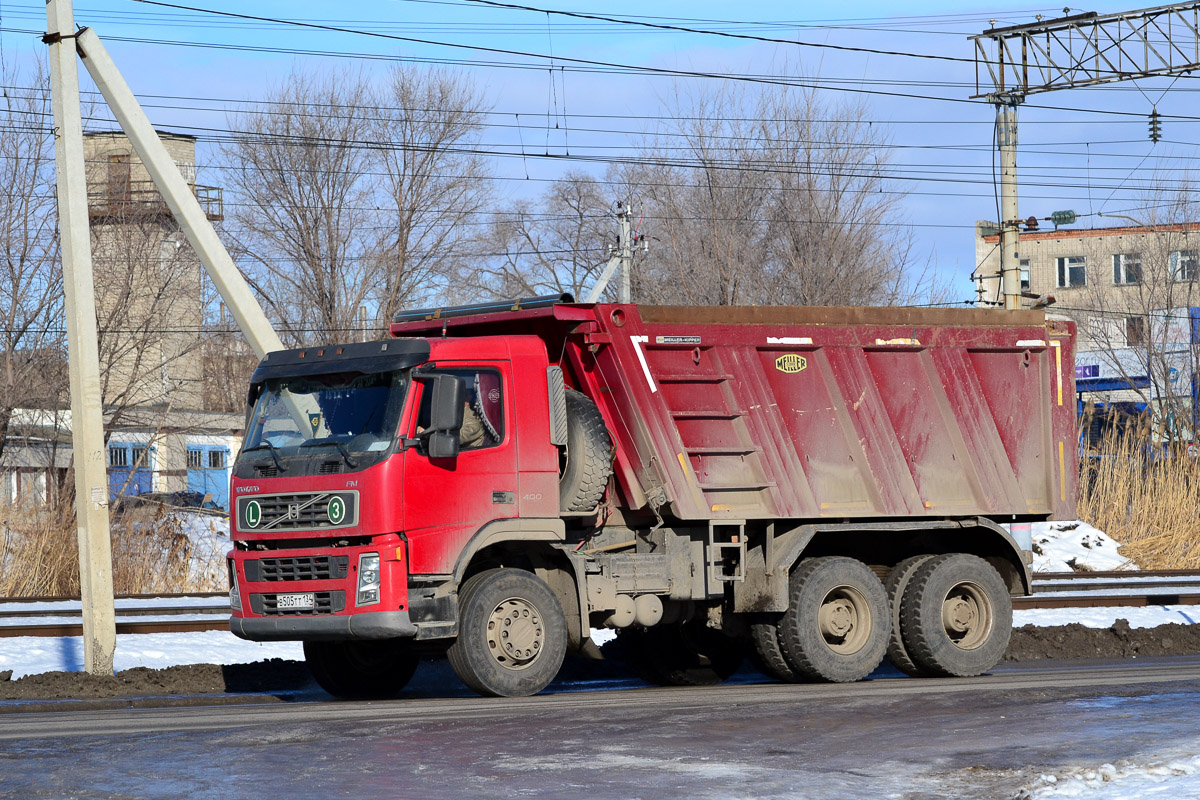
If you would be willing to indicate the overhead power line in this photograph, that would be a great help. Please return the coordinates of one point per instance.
(723, 34)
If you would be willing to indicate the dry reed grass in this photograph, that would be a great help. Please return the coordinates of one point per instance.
(1147, 497)
(150, 553)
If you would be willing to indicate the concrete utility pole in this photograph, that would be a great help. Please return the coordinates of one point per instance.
(620, 258)
(178, 195)
(1010, 226)
(1086, 49)
(87, 422)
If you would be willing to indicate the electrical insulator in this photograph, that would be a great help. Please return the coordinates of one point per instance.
(1155, 126)
(1063, 217)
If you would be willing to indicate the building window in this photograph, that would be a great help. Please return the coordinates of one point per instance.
(1072, 271)
(1135, 331)
(195, 459)
(118, 456)
(1127, 268)
(140, 461)
(216, 459)
(1183, 265)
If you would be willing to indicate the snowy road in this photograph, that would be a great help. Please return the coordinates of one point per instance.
(992, 737)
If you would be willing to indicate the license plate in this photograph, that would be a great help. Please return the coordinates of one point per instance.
(306, 600)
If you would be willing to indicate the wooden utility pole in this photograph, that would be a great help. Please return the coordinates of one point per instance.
(87, 422)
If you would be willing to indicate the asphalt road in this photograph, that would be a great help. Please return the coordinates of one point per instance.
(887, 737)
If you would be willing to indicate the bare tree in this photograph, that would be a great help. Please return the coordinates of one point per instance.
(349, 197)
(558, 244)
(1136, 304)
(304, 220)
(32, 348)
(434, 182)
(773, 198)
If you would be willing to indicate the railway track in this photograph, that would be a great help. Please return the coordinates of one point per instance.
(189, 613)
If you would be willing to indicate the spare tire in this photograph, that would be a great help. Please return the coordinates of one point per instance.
(586, 464)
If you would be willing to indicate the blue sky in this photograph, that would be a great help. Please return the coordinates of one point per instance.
(942, 155)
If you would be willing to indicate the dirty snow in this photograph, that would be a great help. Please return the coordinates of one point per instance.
(1075, 547)
(1172, 777)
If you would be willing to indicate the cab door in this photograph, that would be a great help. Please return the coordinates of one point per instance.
(448, 499)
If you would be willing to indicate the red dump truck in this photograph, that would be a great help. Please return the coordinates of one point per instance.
(813, 487)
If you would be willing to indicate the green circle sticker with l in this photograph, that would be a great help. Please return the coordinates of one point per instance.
(336, 510)
(253, 514)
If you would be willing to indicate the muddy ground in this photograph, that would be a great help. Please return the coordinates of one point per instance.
(275, 676)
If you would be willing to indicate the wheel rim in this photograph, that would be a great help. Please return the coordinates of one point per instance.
(844, 620)
(515, 633)
(967, 616)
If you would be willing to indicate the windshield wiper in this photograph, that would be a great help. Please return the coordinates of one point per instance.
(266, 443)
(341, 449)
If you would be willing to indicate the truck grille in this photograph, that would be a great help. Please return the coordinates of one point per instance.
(299, 568)
(298, 512)
(324, 603)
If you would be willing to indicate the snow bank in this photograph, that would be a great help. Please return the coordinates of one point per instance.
(1075, 547)
(28, 655)
(209, 538)
(1171, 778)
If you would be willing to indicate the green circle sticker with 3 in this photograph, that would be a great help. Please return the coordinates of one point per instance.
(336, 510)
(253, 514)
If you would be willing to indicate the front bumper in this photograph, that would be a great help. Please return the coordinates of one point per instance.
(368, 625)
(330, 574)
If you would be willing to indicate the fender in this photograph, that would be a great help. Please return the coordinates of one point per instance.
(780, 553)
(507, 530)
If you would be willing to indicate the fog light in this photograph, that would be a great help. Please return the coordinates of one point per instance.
(368, 579)
(235, 597)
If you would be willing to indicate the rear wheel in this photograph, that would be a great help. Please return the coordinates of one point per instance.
(512, 635)
(362, 670)
(764, 634)
(897, 581)
(956, 616)
(836, 626)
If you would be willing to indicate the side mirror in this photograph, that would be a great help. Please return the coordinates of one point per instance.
(446, 410)
(442, 444)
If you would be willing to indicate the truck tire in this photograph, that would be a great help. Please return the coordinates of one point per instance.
(837, 624)
(689, 654)
(587, 461)
(361, 670)
(512, 634)
(764, 634)
(956, 616)
(895, 584)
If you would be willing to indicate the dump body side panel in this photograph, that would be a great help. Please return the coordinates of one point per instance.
(806, 413)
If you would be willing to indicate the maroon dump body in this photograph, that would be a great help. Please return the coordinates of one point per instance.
(806, 413)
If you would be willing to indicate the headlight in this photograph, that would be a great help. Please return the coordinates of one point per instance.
(235, 597)
(368, 579)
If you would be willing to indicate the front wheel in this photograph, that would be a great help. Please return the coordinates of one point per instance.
(362, 670)
(512, 634)
(956, 616)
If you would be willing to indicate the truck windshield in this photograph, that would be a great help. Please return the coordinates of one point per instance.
(351, 412)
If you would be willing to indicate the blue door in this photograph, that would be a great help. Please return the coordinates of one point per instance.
(130, 471)
(208, 473)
